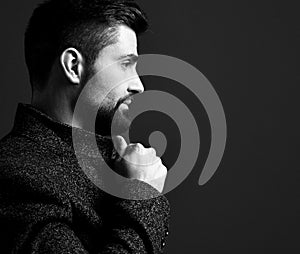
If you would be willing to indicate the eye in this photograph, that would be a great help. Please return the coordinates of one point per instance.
(126, 64)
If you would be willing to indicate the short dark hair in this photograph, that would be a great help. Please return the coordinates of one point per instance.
(87, 25)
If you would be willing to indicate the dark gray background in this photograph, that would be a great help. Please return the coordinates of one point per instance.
(249, 50)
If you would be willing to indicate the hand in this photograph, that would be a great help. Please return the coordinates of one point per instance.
(138, 162)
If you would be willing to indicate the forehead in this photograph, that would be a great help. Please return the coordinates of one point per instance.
(126, 44)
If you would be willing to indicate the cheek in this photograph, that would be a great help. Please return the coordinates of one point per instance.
(110, 102)
(113, 77)
(100, 93)
(109, 85)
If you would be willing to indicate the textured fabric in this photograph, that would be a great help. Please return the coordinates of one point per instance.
(49, 205)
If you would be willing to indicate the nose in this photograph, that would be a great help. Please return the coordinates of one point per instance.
(136, 86)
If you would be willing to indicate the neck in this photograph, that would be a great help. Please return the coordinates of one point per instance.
(55, 105)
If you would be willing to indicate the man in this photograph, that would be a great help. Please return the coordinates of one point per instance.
(49, 202)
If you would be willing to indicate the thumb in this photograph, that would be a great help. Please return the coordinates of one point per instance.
(120, 144)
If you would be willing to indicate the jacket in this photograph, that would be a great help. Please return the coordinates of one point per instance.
(48, 204)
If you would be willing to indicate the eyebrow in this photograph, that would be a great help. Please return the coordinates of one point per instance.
(133, 57)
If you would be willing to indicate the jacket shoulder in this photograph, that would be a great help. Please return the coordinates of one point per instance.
(20, 151)
(27, 165)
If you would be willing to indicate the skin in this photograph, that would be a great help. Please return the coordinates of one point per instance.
(115, 64)
(108, 95)
(117, 78)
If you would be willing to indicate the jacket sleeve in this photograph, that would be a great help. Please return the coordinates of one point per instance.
(141, 226)
(132, 226)
(129, 226)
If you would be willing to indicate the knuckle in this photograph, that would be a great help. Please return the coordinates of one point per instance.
(153, 151)
(164, 169)
(157, 160)
(138, 147)
(135, 147)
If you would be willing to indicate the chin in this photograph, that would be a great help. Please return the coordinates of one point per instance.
(108, 127)
(120, 125)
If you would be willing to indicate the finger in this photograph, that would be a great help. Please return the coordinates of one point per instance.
(139, 148)
(161, 172)
(157, 161)
(164, 170)
(152, 151)
(120, 144)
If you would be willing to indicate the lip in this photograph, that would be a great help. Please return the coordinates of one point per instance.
(127, 102)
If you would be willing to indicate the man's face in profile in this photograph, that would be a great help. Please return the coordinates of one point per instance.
(115, 82)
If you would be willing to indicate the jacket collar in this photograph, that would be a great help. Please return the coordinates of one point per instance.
(39, 127)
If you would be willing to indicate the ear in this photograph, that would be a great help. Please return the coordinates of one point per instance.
(72, 63)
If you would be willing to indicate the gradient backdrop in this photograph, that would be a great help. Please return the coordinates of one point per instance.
(249, 50)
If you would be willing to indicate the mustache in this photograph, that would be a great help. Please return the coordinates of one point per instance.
(129, 97)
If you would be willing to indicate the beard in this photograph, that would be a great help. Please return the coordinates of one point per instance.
(111, 121)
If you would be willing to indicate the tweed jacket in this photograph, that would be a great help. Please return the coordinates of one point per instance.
(49, 205)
